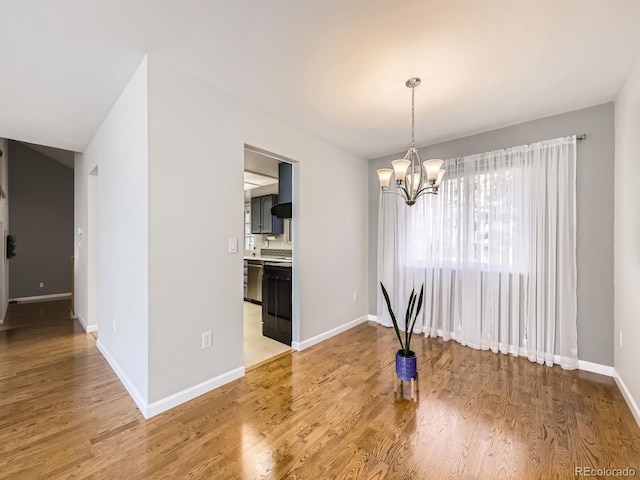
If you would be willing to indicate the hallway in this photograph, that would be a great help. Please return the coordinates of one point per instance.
(53, 387)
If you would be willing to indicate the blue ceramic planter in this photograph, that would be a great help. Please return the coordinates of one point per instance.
(406, 368)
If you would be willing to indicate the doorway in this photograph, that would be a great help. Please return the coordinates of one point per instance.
(39, 184)
(92, 241)
(268, 248)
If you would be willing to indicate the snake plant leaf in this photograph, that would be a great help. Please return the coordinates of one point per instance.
(413, 323)
(411, 315)
(393, 317)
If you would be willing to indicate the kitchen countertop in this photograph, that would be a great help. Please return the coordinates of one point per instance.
(269, 259)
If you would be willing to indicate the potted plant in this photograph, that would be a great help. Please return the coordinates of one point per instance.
(405, 357)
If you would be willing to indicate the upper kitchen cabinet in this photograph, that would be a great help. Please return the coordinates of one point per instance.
(262, 222)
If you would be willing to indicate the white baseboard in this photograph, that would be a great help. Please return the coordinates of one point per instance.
(133, 392)
(582, 364)
(155, 408)
(596, 368)
(633, 406)
(328, 334)
(87, 328)
(190, 393)
(41, 298)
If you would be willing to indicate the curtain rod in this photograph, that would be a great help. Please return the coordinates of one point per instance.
(581, 137)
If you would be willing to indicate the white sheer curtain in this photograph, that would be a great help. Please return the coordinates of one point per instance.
(496, 250)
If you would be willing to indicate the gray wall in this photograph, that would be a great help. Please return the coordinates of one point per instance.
(41, 214)
(594, 209)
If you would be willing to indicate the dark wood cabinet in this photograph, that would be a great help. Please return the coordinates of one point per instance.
(262, 222)
(256, 215)
(276, 303)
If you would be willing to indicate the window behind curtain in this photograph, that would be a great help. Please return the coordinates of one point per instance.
(475, 222)
(495, 251)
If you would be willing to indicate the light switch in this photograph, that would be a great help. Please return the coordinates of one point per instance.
(233, 245)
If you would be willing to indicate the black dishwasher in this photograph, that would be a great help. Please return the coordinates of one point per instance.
(276, 301)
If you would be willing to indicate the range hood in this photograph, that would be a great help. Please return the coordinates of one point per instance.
(284, 208)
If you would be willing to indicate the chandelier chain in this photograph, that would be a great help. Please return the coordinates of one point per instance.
(413, 116)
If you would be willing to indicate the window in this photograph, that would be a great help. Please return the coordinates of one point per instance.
(473, 222)
(249, 241)
(495, 251)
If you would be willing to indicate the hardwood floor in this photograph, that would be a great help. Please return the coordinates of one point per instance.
(323, 413)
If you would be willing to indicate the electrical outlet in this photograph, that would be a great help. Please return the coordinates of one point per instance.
(206, 340)
(41, 284)
(620, 339)
(355, 296)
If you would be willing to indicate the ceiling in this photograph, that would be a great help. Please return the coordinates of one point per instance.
(254, 180)
(336, 68)
(261, 173)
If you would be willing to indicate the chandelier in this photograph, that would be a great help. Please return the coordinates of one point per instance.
(413, 178)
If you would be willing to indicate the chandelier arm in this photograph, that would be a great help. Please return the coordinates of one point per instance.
(395, 193)
(424, 190)
(406, 192)
(419, 164)
(426, 187)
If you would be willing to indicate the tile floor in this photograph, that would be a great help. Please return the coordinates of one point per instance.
(258, 348)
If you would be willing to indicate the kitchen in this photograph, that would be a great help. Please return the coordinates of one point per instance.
(268, 259)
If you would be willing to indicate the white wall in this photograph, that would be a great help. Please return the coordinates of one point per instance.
(80, 244)
(193, 209)
(196, 157)
(171, 159)
(92, 244)
(4, 220)
(120, 149)
(330, 242)
(627, 237)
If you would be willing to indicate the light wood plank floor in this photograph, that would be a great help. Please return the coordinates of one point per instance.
(327, 412)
